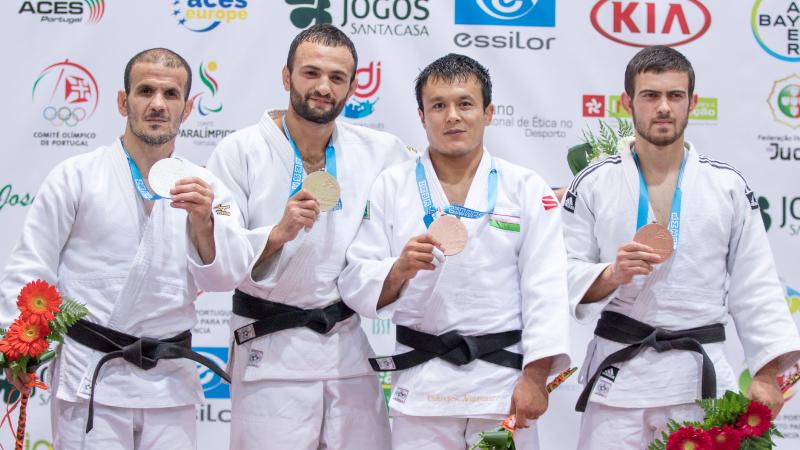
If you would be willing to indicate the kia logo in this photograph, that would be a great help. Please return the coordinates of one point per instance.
(646, 23)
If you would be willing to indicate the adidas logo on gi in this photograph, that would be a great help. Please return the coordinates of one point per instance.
(569, 201)
(610, 373)
(751, 197)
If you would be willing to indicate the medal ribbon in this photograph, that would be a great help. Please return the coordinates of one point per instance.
(644, 203)
(297, 170)
(138, 181)
(453, 210)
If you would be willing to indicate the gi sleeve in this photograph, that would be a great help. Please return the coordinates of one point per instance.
(756, 297)
(542, 267)
(44, 233)
(583, 254)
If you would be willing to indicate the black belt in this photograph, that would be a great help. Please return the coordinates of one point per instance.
(142, 352)
(639, 336)
(272, 317)
(451, 347)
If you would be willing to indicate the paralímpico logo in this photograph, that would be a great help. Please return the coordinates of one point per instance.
(203, 130)
(646, 23)
(67, 12)
(65, 95)
(774, 24)
(202, 16)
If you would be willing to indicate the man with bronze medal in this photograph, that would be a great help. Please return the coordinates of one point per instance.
(463, 251)
(126, 376)
(299, 364)
(663, 244)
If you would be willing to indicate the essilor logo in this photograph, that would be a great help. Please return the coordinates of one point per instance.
(506, 10)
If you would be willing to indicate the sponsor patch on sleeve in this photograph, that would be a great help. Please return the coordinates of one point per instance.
(222, 210)
(549, 202)
(569, 201)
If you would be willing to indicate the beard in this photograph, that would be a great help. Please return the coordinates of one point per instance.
(150, 138)
(303, 108)
(663, 140)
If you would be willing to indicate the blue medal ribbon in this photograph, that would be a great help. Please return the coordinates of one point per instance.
(297, 170)
(674, 226)
(453, 210)
(138, 181)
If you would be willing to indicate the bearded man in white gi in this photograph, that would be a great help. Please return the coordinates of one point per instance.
(301, 378)
(99, 234)
(659, 343)
(478, 331)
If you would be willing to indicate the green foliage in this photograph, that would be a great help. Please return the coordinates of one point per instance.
(71, 312)
(499, 439)
(607, 141)
(724, 410)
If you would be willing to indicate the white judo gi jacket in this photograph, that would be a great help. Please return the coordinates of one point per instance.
(510, 276)
(256, 163)
(723, 265)
(88, 233)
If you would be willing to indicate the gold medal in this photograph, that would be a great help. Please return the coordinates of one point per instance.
(324, 188)
(451, 233)
(656, 237)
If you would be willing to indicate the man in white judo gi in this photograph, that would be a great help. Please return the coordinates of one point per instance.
(99, 234)
(301, 378)
(659, 342)
(478, 332)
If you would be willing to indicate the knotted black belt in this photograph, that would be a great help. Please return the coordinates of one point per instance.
(639, 336)
(272, 317)
(451, 347)
(142, 352)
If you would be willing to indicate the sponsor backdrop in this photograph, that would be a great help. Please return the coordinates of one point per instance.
(557, 68)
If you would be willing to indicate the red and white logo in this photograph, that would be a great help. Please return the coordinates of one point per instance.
(594, 106)
(549, 202)
(645, 23)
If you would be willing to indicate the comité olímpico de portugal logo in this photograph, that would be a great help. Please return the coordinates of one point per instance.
(65, 11)
(784, 101)
(506, 13)
(775, 26)
(65, 95)
(644, 23)
(403, 18)
(368, 81)
(202, 16)
(206, 105)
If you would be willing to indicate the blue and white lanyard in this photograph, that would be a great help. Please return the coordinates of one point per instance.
(297, 170)
(644, 203)
(138, 181)
(453, 210)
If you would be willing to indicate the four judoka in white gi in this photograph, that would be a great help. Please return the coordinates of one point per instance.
(462, 250)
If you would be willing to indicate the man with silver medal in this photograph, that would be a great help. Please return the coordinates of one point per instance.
(464, 253)
(664, 243)
(126, 376)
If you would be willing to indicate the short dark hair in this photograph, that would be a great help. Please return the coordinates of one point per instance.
(166, 58)
(323, 34)
(657, 59)
(454, 67)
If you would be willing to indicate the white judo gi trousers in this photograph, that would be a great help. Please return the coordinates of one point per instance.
(451, 433)
(116, 428)
(608, 427)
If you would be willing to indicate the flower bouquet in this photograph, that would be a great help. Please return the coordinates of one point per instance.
(594, 148)
(43, 319)
(732, 422)
(502, 438)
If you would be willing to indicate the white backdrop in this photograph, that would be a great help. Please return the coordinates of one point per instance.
(557, 67)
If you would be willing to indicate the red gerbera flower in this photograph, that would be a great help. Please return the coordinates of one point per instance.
(755, 421)
(39, 302)
(510, 423)
(725, 438)
(25, 338)
(689, 438)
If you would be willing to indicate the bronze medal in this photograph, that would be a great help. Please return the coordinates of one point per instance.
(656, 237)
(451, 233)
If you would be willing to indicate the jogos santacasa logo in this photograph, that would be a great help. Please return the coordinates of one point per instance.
(522, 13)
(601, 106)
(65, 11)
(774, 24)
(368, 81)
(66, 92)
(784, 101)
(209, 106)
(646, 23)
(213, 385)
(205, 15)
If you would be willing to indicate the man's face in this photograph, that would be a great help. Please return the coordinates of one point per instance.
(155, 106)
(453, 116)
(320, 82)
(660, 106)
